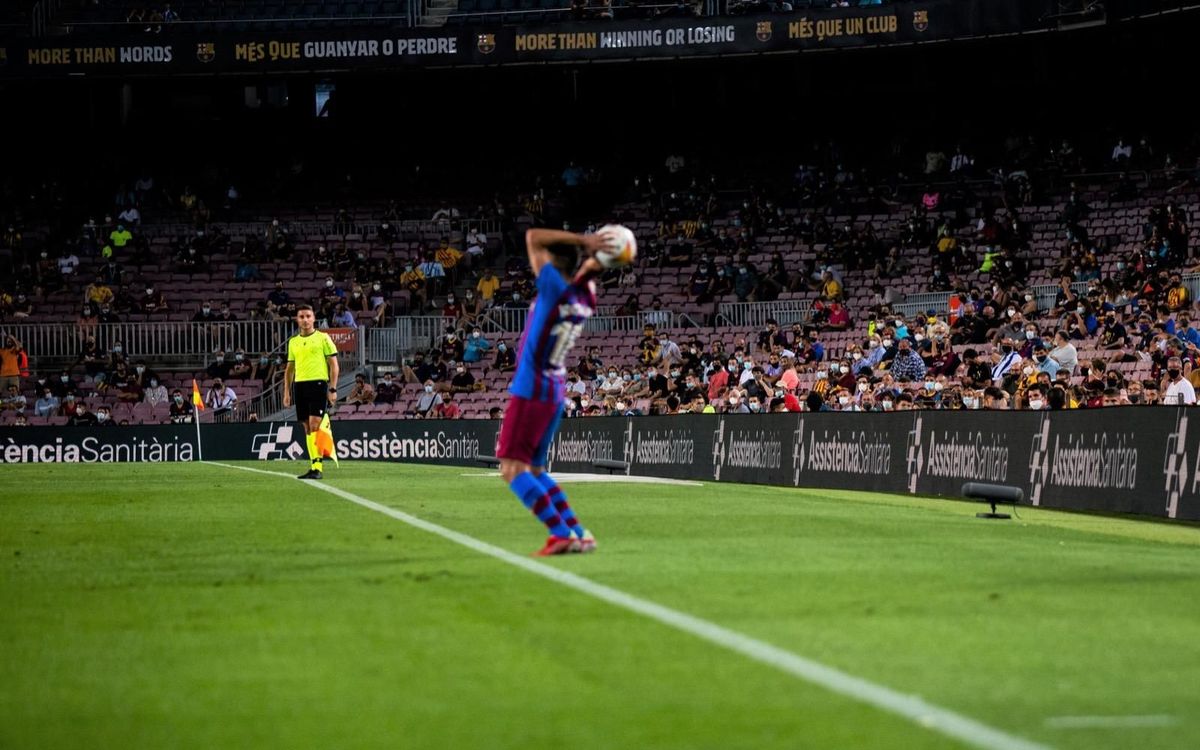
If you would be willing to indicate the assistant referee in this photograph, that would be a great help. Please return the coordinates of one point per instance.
(313, 366)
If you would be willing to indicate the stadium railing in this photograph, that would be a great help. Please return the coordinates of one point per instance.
(323, 229)
(163, 343)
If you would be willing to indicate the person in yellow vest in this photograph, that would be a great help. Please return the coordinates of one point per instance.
(312, 367)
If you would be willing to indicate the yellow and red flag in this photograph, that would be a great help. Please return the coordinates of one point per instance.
(196, 400)
(325, 446)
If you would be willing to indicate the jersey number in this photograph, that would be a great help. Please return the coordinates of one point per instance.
(565, 334)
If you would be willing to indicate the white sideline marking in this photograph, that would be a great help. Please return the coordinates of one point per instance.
(628, 479)
(909, 707)
(1110, 722)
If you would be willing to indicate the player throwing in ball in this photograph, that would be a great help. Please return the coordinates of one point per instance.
(566, 297)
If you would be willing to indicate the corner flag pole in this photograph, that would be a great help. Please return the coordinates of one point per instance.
(197, 407)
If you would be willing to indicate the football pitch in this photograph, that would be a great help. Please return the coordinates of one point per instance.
(201, 606)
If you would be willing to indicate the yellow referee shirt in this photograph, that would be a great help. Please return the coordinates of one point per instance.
(308, 354)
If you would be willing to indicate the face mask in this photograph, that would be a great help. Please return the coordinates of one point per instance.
(221, 358)
(329, 284)
(65, 379)
(843, 400)
(969, 402)
(1012, 313)
(238, 357)
(780, 394)
(1036, 404)
(835, 368)
(116, 350)
(1079, 310)
(584, 402)
(674, 373)
(462, 369)
(1039, 358)
(620, 406)
(1173, 372)
(731, 368)
(450, 299)
(887, 405)
(264, 360)
(612, 375)
(919, 337)
(206, 310)
(1007, 349)
(747, 365)
(140, 370)
(626, 378)
(929, 385)
(408, 267)
(938, 386)
(887, 342)
(755, 406)
(821, 374)
(429, 389)
(651, 373)
(733, 402)
(1030, 335)
(1027, 370)
(862, 387)
(278, 361)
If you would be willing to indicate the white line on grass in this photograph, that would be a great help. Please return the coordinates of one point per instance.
(909, 707)
(1111, 722)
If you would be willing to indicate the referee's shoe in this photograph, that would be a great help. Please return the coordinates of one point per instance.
(313, 473)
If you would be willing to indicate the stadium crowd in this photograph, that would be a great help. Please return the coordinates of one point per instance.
(838, 242)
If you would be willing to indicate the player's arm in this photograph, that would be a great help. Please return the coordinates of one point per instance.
(289, 374)
(538, 242)
(334, 372)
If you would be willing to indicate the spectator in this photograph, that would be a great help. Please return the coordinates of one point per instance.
(343, 318)
(219, 368)
(506, 359)
(448, 409)
(13, 400)
(487, 287)
(387, 390)
(1176, 389)
(462, 381)
(279, 296)
(181, 409)
(476, 346)
(47, 405)
(13, 360)
(206, 314)
(81, 417)
(362, 393)
(1064, 353)
(221, 397)
(242, 367)
(153, 302)
(155, 393)
(907, 366)
(425, 405)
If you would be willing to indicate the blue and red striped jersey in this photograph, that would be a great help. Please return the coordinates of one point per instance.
(555, 320)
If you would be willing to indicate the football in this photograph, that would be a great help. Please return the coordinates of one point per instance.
(620, 248)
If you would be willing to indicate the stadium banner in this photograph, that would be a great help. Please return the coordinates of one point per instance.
(1141, 460)
(180, 50)
(345, 339)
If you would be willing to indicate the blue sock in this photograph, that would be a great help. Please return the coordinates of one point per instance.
(559, 499)
(529, 490)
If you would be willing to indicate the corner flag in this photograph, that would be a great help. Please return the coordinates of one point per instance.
(325, 446)
(196, 400)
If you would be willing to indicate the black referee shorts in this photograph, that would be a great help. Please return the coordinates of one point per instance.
(312, 399)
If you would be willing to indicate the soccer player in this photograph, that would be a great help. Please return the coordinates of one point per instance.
(312, 365)
(565, 299)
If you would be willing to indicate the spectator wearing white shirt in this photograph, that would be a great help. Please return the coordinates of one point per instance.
(1122, 152)
(476, 243)
(668, 350)
(1177, 390)
(1006, 361)
(221, 397)
(47, 405)
(155, 393)
(67, 263)
(131, 216)
(1064, 353)
(960, 162)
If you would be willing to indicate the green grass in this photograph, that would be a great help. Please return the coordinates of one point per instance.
(191, 606)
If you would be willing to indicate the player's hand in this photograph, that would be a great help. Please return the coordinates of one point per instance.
(593, 242)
